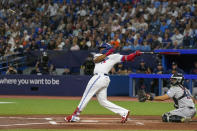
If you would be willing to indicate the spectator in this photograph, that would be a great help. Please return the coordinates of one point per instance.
(120, 69)
(158, 70)
(194, 69)
(33, 45)
(151, 9)
(11, 70)
(177, 37)
(166, 42)
(113, 71)
(51, 45)
(195, 34)
(116, 41)
(52, 70)
(163, 27)
(156, 44)
(126, 46)
(143, 83)
(75, 46)
(175, 69)
(67, 45)
(135, 46)
(43, 63)
(88, 65)
(83, 45)
(194, 72)
(145, 46)
(175, 45)
(66, 71)
(188, 37)
(36, 71)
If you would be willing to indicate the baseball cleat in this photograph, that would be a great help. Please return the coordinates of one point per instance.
(72, 118)
(124, 117)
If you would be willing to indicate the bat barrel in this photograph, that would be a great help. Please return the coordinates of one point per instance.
(162, 53)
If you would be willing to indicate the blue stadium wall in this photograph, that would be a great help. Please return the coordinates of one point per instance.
(46, 85)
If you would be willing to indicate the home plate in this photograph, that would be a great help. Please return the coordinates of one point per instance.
(89, 121)
(139, 123)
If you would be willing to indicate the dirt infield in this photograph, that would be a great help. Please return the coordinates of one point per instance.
(90, 122)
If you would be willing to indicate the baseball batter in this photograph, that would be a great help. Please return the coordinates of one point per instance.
(104, 61)
(184, 101)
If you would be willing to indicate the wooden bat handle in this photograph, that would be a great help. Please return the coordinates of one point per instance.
(147, 52)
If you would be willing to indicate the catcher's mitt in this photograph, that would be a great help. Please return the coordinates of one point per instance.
(142, 96)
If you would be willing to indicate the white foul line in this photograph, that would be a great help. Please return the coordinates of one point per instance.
(7, 102)
(26, 124)
(27, 118)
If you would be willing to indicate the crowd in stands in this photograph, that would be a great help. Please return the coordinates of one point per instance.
(28, 25)
(84, 24)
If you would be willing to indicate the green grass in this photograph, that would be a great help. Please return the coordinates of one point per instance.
(58, 106)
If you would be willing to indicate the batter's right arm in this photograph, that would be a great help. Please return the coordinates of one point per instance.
(102, 57)
(131, 56)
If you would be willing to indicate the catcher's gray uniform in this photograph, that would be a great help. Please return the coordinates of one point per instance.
(183, 98)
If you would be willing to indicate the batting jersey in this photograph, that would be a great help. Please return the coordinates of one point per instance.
(106, 65)
(177, 92)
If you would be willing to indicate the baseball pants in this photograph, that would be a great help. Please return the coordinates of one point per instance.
(98, 85)
(184, 112)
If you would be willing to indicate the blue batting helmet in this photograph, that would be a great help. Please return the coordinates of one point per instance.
(106, 47)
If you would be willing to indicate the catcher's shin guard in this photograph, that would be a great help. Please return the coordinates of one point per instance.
(167, 117)
(175, 118)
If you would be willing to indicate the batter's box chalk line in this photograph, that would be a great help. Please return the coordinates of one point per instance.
(50, 121)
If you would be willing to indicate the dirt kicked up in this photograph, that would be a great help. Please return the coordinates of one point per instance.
(91, 122)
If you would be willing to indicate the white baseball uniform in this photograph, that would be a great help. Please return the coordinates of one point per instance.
(186, 105)
(98, 85)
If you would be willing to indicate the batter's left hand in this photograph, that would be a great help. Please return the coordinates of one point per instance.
(138, 53)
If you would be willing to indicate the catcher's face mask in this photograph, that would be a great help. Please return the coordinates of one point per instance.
(176, 79)
(173, 81)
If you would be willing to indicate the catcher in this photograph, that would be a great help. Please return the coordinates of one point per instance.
(184, 102)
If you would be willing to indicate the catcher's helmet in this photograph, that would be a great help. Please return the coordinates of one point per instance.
(106, 47)
(177, 79)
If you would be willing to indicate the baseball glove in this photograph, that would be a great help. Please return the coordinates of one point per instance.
(142, 96)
